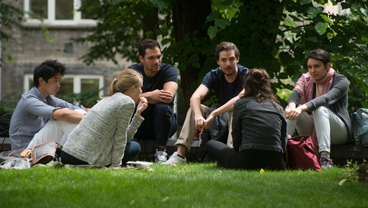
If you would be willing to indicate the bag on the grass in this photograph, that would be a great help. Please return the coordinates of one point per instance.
(5, 123)
(39, 154)
(218, 130)
(359, 123)
(301, 154)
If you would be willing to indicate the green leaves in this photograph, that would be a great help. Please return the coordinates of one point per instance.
(212, 16)
(222, 23)
(212, 31)
(304, 1)
(313, 11)
(223, 11)
(330, 35)
(160, 4)
(325, 18)
(321, 27)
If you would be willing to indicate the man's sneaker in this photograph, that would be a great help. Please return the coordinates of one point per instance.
(22, 163)
(326, 162)
(8, 164)
(174, 159)
(161, 156)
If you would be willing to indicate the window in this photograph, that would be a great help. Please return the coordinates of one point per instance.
(68, 48)
(57, 13)
(72, 83)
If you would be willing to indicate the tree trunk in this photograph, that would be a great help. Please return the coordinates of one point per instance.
(150, 21)
(189, 16)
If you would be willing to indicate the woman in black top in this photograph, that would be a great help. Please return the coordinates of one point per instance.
(318, 104)
(259, 128)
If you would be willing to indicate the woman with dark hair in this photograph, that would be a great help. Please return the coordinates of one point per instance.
(259, 128)
(318, 104)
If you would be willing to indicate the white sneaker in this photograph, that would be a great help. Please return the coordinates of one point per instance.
(161, 156)
(175, 159)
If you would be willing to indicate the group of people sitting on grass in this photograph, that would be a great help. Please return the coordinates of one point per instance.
(140, 105)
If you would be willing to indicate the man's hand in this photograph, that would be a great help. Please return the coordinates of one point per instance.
(200, 122)
(143, 104)
(159, 96)
(209, 120)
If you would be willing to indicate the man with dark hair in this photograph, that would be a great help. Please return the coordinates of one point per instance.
(159, 87)
(39, 116)
(226, 81)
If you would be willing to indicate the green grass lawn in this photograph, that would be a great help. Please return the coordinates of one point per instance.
(190, 185)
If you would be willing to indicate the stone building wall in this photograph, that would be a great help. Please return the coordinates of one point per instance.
(32, 48)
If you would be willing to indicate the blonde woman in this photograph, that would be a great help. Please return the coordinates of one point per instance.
(103, 137)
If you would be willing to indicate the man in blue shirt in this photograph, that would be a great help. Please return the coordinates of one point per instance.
(39, 116)
(226, 80)
(159, 87)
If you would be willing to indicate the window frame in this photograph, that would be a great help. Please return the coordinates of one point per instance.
(77, 84)
(51, 21)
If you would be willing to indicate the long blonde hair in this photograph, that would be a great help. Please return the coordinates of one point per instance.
(126, 79)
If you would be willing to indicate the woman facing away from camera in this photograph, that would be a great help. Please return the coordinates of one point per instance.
(259, 128)
(318, 104)
(103, 137)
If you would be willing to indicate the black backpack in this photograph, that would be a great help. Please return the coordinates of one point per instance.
(218, 130)
(4, 124)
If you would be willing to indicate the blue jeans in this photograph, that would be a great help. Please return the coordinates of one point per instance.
(132, 149)
(159, 125)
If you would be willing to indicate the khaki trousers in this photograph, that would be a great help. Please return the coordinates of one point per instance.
(189, 130)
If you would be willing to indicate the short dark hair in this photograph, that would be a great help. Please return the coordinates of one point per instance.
(47, 70)
(320, 55)
(226, 46)
(147, 43)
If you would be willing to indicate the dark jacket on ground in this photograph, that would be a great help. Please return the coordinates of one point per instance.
(258, 125)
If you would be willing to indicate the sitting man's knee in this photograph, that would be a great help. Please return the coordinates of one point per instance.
(162, 108)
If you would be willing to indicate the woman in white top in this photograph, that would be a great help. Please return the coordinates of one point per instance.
(104, 135)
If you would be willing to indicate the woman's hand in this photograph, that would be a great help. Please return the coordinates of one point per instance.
(143, 104)
(292, 112)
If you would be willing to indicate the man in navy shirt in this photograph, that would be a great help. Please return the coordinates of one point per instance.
(226, 80)
(159, 87)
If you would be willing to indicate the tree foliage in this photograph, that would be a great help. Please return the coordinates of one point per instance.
(271, 34)
(10, 17)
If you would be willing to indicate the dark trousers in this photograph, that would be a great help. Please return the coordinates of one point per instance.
(159, 125)
(251, 159)
(132, 149)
